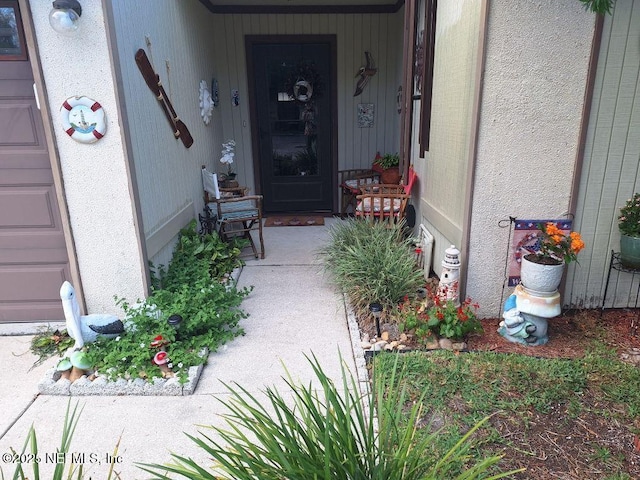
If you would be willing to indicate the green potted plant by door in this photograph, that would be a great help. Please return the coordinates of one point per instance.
(629, 225)
(389, 168)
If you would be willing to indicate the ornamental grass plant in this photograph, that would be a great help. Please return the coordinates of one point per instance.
(327, 432)
(31, 457)
(371, 262)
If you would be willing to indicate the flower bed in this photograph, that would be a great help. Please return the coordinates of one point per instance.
(194, 308)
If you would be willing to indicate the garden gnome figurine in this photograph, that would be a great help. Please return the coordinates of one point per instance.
(523, 326)
(448, 289)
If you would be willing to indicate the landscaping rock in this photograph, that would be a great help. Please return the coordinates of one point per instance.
(432, 344)
(445, 344)
(459, 346)
(54, 384)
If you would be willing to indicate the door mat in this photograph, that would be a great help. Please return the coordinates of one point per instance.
(293, 220)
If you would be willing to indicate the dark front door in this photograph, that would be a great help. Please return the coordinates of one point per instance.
(292, 97)
(33, 253)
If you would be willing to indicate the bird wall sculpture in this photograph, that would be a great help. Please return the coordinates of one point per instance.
(365, 73)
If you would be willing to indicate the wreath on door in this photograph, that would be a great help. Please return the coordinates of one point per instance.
(303, 82)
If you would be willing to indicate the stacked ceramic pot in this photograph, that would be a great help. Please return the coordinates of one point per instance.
(533, 302)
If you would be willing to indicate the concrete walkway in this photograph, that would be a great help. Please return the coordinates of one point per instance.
(293, 311)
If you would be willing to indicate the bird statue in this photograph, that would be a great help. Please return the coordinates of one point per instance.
(86, 328)
(365, 73)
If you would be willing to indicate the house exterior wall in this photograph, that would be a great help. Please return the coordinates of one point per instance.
(611, 169)
(96, 181)
(536, 65)
(381, 34)
(444, 169)
(178, 38)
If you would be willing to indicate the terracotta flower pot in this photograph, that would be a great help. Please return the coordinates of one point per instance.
(540, 279)
(391, 175)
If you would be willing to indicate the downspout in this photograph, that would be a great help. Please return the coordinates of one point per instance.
(473, 147)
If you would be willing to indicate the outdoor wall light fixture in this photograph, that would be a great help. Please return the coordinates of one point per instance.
(65, 16)
(376, 311)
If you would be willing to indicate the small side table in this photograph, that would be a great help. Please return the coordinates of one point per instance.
(616, 264)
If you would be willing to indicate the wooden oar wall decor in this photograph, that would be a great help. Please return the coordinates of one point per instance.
(152, 79)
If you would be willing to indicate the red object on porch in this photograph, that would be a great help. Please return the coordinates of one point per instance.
(412, 177)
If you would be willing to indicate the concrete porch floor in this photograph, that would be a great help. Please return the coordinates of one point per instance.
(293, 311)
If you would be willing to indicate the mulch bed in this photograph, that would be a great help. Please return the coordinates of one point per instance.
(570, 334)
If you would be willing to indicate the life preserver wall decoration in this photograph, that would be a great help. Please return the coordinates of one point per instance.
(83, 119)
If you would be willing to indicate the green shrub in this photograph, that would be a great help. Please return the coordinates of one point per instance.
(192, 287)
(435, 317)
(327, 432)
(195, 286)
(196, 255)
(371, 262)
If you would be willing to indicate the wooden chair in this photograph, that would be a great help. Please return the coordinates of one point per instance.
(233, 212)
(350, 182)
(385, 202)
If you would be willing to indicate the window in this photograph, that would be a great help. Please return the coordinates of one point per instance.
(12, 44)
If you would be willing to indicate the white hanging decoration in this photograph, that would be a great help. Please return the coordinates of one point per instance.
(302, 90)
(83, 119)
(206, 103)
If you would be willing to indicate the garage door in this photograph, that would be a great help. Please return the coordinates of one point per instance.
(33, 256)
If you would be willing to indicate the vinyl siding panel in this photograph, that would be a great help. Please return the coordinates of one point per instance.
(610, 172)
(167, 174)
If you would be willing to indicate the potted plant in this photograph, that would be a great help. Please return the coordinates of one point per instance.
(541, 272)
(389, 168)
(629, 225)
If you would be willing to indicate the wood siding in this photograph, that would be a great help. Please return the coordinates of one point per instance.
(611, 171)
(166, 174)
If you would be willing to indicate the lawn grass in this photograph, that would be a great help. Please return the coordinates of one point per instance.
(570, 418)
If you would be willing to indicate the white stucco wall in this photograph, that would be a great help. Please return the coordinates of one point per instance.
(95, 175)
(537, 54)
